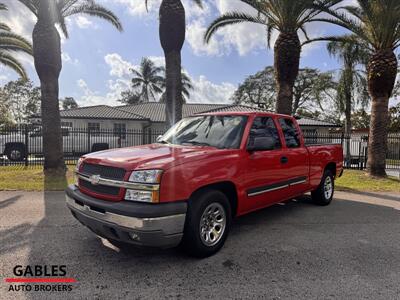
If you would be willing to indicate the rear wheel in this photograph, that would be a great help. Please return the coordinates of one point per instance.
(207, 223)
(323, 195)
(16, 153)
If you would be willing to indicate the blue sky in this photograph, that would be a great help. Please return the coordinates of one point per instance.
(97, 58)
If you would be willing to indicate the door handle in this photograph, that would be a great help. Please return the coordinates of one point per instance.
(284, 160)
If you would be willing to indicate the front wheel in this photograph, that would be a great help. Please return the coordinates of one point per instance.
(323, 195)
(207, 223)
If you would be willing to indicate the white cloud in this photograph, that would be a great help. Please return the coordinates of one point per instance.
(118, 66)
(67, 59)
(204, 91)
(83, 22)
(89, 97)
(19, 18)
(137, 8)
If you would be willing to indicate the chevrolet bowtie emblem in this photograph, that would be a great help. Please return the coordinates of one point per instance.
(94, 179)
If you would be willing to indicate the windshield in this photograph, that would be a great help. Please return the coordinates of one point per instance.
(223, 132)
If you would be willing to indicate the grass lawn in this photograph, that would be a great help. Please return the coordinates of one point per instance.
(31, 179)
(359, 181)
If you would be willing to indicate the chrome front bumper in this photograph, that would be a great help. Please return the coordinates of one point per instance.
(159, 231)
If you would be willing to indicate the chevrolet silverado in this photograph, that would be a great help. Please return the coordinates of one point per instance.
(207, 169)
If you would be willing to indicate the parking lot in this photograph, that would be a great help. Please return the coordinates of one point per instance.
(349, 250)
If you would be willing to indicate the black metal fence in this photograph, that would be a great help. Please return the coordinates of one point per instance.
(22, 145)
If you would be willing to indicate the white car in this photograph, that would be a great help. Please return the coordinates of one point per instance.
(16, 145)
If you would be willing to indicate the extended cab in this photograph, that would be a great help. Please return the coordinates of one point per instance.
(203, 172)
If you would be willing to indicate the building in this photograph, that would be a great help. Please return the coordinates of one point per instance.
(152, 115)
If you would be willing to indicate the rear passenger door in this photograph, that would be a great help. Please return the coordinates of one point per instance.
(295, 158)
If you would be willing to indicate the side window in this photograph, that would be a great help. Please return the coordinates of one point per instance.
(265, 127)
(290, 132)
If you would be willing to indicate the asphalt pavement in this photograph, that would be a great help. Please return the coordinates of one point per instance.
(348, 250)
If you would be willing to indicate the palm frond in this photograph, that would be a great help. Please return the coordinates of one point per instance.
(93, 9)
(230, 19)
(32, 5)
(4, 27)
(11, 62)
(14, 42)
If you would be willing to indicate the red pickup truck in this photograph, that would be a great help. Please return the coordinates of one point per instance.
(206, 170)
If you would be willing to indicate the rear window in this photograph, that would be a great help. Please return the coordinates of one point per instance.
(290, 132)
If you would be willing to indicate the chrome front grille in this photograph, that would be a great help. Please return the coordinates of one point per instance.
(104, 172)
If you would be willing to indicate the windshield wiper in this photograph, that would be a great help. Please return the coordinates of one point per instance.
(164, 142)
(195, 143)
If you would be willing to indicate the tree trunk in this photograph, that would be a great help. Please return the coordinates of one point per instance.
(174, 101)
(382, 70)
(172, 36)
(377, 146)
(347, 110)
(47, 58)
(286, 64)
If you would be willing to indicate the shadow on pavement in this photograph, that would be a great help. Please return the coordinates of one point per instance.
(383, 195)
(9, 201)
(277, 251)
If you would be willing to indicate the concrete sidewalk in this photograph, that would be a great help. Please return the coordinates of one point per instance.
(348, 250)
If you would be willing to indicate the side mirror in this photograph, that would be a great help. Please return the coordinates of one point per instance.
(159, 138)
(261, 143)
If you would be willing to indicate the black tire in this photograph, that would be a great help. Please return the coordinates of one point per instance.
(16, 152)
(320, 196)
(207, 200)
(100, 147)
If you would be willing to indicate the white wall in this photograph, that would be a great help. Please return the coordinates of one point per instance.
(106, 124)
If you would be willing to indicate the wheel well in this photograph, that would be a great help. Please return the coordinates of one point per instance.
(331, 167)
(9, 146)
(226, 187)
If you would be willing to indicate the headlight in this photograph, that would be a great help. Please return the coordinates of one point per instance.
(146, 176)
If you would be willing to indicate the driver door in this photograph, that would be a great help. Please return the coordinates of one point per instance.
(265, 173)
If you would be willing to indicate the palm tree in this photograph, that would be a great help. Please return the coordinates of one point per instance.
(172, 32)
(288, 17)
(377, 24)
(11, 42)
(148, 80)
(352, 82)
(187, 86)
(47, 59)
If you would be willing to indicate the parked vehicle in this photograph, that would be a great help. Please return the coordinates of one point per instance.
(17, 144)
(202, 173)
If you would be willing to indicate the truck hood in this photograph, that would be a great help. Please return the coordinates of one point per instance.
(154, 156)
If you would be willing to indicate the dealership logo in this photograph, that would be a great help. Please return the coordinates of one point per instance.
(40, 278)
(94, 179)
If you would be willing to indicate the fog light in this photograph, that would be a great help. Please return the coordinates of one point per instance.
(142, 196)
(134, 236)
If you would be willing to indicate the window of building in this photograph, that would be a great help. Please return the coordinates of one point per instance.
(120, 130)
(265, 127)
(94, 128)
(290, 132)
(310, 136)
(66, 124)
